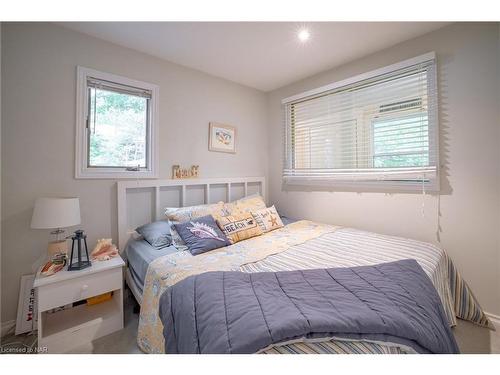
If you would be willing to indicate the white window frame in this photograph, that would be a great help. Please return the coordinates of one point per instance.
(386, 185)
(82, 170)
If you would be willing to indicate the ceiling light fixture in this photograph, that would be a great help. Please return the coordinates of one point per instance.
(304, 35)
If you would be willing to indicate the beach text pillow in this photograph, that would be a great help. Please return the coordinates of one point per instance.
(239, 226)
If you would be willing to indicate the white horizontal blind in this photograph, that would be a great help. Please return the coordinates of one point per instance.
(378, 128)
(101, 84)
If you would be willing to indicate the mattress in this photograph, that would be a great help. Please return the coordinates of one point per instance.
(308, 245)
(139, 255)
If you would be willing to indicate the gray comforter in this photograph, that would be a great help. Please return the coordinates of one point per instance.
(236, 312)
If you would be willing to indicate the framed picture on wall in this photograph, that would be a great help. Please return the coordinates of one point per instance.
(221, 138)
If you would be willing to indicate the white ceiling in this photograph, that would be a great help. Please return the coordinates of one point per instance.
(263, 55)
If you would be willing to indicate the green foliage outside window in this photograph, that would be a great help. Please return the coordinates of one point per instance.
(118, 129)
(401, 141)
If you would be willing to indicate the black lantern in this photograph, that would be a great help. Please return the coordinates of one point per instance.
(81, 264)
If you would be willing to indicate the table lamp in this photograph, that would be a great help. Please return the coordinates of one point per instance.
(56, 213)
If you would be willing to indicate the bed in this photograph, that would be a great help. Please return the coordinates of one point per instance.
(300, 245)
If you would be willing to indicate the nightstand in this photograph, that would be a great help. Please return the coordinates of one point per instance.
(69, 328)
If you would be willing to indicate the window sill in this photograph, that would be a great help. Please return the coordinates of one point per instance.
(110, 174)
(381, 186)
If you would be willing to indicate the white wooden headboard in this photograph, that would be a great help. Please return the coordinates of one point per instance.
(153, 190)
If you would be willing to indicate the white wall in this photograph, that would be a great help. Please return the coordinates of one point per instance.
(37, 153)
(38, 84)
(468, 74)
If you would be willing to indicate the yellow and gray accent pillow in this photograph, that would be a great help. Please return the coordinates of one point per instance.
(239, 227)
(181, 214)
(247, 205)
(268, 219)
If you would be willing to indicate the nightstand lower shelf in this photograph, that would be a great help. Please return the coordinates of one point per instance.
(64, 330)
(67, 329)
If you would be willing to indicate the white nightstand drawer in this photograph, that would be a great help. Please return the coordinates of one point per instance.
(68, 291)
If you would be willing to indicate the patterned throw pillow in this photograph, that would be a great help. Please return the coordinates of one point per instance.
(248, 204)
(178, 215)
(201, 235)
(268, 219)
(239, 227)
(181, 214)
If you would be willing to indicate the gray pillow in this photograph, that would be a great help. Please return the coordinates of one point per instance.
(156, 233)
(176, 239)
(201, 235)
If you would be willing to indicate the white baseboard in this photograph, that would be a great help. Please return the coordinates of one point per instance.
(495, 319)
(494, 335)
(7, 326)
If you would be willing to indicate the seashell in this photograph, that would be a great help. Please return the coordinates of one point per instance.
(104, 250)
(51, 268)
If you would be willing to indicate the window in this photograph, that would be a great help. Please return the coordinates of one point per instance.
(116, 126)
(378, 129)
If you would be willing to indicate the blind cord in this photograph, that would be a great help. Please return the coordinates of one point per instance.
(438, 212)
(423, 196)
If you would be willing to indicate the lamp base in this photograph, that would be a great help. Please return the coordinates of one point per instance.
(79, 265)
(56, 248)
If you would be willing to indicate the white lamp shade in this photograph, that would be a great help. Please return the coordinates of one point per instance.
(52, 213)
